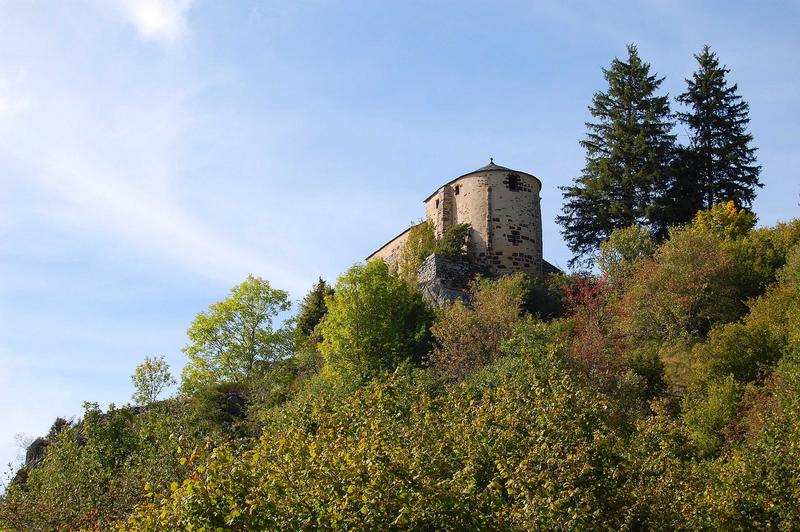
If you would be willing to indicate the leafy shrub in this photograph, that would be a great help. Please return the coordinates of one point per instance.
(686, 289)
(725, 220)
(469, 336)
(533, 450)
(756, 485)
(621, 254)
(593, 346)
(739, 350)
(94, 472)
(760, 254)
(453, 242)
(545, 299)
(708, 416)
(646, 362)
(421, 242)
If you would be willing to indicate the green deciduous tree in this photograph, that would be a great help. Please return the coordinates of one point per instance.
(725, 220)
(720, 163)
(375, 322)
(621, 254)
(688, 287)
(453, 242)
(229, 341)
(422, 241)
(418, 245)
(150, 379)
(629, 149)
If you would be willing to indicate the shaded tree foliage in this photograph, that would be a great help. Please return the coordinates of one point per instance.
(313, 308)
(719, 164)
(469, 336)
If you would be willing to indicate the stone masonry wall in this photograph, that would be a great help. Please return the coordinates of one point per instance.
(390, 252)
(504, 212)
(469, 196)
(503, 209)
(515, 225)
(443, 280)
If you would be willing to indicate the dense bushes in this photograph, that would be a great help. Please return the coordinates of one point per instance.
(533, 447)
(94, 472)
(422, 241)
(468, 337)
(666, 397)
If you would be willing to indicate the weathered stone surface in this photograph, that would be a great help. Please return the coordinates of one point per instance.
(35, 452)
(443, 280)
(502, 207)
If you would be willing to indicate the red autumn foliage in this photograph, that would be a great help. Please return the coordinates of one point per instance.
(593, 345)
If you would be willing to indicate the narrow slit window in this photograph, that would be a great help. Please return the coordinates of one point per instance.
(437, 203)
(458, 189)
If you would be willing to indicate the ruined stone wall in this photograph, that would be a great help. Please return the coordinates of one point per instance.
(443, 280)
(452, 273)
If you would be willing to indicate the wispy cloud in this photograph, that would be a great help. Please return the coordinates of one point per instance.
(10, 102)
(10, 105)
(159, 20)
(116, 184)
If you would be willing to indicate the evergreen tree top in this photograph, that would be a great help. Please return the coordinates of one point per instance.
(722, 161)
(629, 147)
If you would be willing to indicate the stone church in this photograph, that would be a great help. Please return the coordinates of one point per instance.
(502, 207)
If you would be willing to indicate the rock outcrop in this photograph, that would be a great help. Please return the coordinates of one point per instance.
(443, 280)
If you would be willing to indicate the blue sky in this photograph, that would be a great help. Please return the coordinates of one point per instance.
(154, 152)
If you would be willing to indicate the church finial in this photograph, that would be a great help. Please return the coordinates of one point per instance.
(491, 160)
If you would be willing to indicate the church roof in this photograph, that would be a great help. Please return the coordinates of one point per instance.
(488, 168)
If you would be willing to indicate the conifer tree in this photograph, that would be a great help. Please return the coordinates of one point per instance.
(628, 153)
(719, 164)
(312, 308)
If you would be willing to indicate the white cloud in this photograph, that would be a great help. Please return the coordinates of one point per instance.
(160, 20)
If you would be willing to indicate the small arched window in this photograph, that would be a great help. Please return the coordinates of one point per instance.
(437, 203)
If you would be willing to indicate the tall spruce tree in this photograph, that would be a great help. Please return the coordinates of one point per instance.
(719, 164)
(628, 154)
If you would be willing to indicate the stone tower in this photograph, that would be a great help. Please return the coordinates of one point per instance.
(503, 209)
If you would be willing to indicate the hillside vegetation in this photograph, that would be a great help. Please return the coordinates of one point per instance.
(663, 393)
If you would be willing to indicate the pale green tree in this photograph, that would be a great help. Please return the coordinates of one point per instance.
(150, 378)
(236, 337)
(622, 253)
(375, 322)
